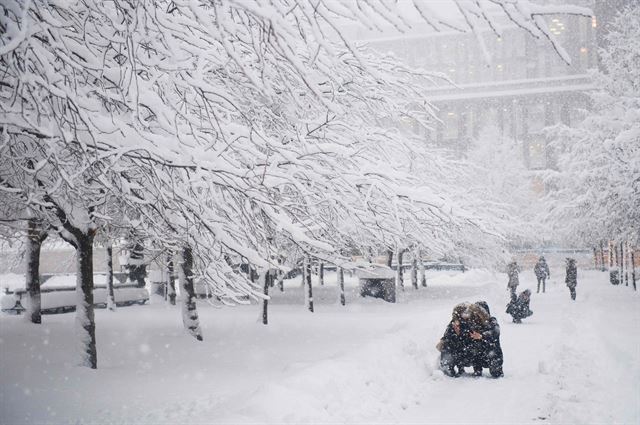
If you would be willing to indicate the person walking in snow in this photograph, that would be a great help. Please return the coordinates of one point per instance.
(514, 281)
(452, 345)
(541, 269)
(488, 353)
(572, 277)
(518, 307)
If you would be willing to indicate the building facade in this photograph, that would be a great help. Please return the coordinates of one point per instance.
(524, 87)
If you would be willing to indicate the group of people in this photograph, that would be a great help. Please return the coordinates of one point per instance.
(518, 306)
(472, 338)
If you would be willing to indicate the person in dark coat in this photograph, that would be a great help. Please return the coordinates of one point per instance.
(453, 344)
(572, 277)
(514, 280)
(484, 340)
(489, 353)
(541, 269)
(518, 307)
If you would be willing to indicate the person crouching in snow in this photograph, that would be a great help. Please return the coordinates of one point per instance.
(572, 277)
(452, 344)
(488, 351)
(518, 308)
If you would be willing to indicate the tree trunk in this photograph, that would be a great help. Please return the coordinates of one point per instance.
(602, 256)
(621, 262)
(421, 270)
(389, 258)
(281, 280)
(321, 273)
(633, 270)
(399, 274)
(341, 285)
(610, 255)
(171, 284)
(414, 272)
(626, 268)
(35, 237)
(265, 280)
(309, 289)
(595, 258)
(614, 277)
(251, 274)
(280, 276)
(189, 311)
(111, 299)
(85, 318)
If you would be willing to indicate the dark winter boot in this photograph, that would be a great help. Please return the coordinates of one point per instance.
(450, 371)
(496, 372)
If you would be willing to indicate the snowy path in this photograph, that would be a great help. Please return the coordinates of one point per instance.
(369, 362)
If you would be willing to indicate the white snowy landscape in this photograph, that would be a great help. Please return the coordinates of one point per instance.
(367, 362)
(319, 211)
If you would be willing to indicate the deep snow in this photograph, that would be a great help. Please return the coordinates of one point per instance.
(570, 363)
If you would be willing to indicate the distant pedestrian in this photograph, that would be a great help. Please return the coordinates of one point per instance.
(514, 280)
(541, 270)
(572, 277)
(518, 307)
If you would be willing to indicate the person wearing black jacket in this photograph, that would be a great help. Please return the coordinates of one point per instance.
(488, 352)
(518, 307)
(453, 344)
(572, 277)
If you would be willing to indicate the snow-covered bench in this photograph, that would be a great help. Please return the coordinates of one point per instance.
(62, 298)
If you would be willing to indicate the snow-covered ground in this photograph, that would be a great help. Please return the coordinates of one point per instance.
(570, 363)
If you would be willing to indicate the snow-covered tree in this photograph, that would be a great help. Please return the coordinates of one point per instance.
(207, 126)
(498, 173)
(596, 192)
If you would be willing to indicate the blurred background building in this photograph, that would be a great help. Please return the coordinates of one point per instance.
(525, 86)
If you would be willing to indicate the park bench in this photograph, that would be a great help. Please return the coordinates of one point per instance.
(62, 299)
